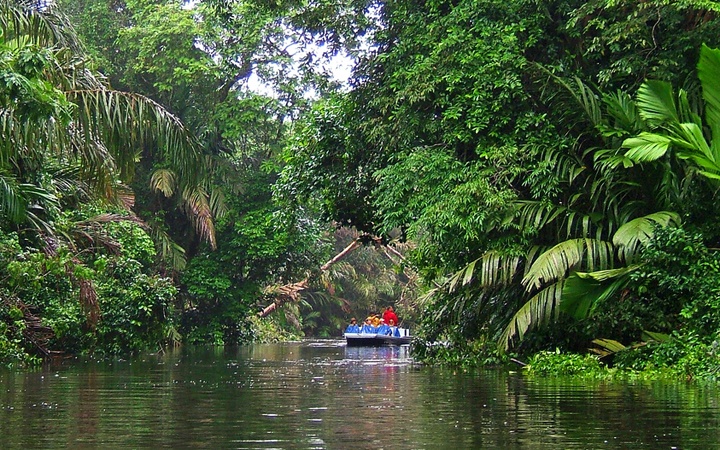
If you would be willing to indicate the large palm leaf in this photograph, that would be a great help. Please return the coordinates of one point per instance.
(630, 237)
(556, 263)
(708, 72)
(540, 309)
(88, 125)
(583, 291)
(492, 269)
(657, 103)
(675, 125)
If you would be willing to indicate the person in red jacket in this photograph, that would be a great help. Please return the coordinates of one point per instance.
(390, 317)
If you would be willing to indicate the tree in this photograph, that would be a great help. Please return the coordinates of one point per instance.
(68, 143)
(468, 129)
(56, 111)
(556, 275)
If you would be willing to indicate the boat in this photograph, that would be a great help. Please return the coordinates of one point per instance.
(376, 340)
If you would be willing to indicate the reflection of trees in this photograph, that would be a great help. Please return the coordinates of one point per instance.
(87, 414)
(650, 415)
(299, 394)
(492, 409)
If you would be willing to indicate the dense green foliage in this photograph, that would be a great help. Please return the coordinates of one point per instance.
(183, 235)
(520, 148)
(51, 293)
(549, 170)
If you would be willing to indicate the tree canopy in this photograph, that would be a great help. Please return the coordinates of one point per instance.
(538, 163)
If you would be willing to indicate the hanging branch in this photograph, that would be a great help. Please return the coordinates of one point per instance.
(291, 292)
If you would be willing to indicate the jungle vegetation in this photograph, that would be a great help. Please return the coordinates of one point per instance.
(528, 176)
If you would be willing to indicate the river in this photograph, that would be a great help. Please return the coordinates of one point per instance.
(323, 395)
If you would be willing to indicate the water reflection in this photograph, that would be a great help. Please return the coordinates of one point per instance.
(322, 394)
(393, 355)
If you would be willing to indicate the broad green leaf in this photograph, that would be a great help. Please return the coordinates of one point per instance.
(709, 74)
(540, 309)
(558, 261)
(583, 291)
(637, 232)
(609, 274)
(655, 336)
(656, 102)
(692, 139)
(711, 175)
(646, 147)
(609, 344)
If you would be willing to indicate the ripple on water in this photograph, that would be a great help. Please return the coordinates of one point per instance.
(322, 394)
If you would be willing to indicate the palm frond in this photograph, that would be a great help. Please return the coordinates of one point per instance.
(47, 28)
(647, 147)
(218, 206)
(123, 120)
(169, 250)
(492, 269)
(563, 221)
(539, 310)
(536, 214)
(635, 233)
(195, 202)
(709, 73)
(622, 111)
(656, 102)
(581, 93)
(607, 347)
(583, 291)
(693, 146)
(555, 263)
(12, 201)
(163, 180)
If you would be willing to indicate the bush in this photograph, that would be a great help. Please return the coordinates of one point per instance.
(557, 363)
(12, 351)
(680, 277)
(685, 357)
(137, 309)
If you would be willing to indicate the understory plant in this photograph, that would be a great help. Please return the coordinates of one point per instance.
(557, 363)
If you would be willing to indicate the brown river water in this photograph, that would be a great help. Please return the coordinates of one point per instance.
(320, 394)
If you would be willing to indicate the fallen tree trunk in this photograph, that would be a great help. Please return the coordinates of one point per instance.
(291, 292)
(285, 293)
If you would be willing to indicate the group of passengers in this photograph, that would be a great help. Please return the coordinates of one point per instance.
(374, 324)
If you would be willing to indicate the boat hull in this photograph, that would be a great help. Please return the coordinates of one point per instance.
(374, 340)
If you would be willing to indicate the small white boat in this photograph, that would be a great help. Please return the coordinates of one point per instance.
(373, 339)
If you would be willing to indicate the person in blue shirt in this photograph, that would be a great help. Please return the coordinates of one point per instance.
(368, 328)
(353, 327)
(384, 329)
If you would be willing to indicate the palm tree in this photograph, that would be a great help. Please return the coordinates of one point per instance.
(55, 110)
(66, 138)
(618, 193)
(676, 144)
(675, 125)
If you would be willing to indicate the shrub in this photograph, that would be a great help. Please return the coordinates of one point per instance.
(557, 363)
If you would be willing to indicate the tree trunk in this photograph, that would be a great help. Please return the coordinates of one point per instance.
(291, 292)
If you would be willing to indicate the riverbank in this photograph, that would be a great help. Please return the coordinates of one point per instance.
(674, 359)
